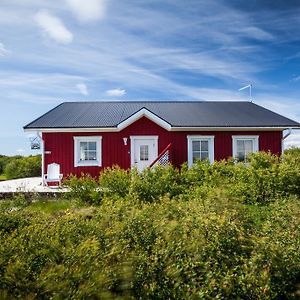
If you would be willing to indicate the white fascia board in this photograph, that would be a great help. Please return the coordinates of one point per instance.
(106, 129)
(228, 128)
(160, 122)
(144, 113)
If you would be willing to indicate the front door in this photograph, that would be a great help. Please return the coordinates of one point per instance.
(143, 151)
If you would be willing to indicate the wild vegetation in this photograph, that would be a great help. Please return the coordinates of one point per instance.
(220, 231)
(12, 167)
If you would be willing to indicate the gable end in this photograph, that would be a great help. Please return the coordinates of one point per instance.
(144, 112)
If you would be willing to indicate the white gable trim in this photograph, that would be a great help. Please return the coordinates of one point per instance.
(144, 113)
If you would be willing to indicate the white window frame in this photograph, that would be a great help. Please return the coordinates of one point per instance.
(87, 163)
(253, 138)
(211, 146)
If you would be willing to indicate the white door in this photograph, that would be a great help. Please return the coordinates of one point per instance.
(143, 151)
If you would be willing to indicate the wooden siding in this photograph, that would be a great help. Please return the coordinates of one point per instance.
(61, 145)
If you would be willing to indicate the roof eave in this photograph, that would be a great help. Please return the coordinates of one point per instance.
(174, 128)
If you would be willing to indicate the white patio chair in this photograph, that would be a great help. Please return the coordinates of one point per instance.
(53, 174)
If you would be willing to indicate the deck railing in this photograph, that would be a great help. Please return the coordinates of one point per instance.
(164, 158)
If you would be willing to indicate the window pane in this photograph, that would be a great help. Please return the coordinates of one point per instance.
(92, 146)
(243, 148)
(240, 146)
(248, 146)
(204, 145)
(83, 146)
(83, 155)
(82, 151)
(204, 155)
(144, 152)
(92, 155)
(196, 156)
(196, 145)
(240, 156)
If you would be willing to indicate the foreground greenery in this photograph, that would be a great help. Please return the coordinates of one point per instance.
(12, 167)
(221, 231)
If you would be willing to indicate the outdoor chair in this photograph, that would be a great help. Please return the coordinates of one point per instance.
(53, 174)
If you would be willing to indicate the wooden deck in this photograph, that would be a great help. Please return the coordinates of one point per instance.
(28, 186)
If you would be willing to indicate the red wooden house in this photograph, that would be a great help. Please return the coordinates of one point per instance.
(89, 136)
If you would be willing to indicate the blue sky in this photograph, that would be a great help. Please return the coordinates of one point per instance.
(71, 50)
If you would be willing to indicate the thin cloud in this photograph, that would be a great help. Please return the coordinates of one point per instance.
(53, 27)
(115, 92)
(256, 33)
(296, 78)
(3, 51)
(82, 89)
(88, 10)
(293, 140)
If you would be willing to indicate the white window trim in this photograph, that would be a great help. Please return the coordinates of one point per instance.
(211, 146)
(77, 140)
(253, 138)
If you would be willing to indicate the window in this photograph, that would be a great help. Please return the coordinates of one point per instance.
(87, 151)
(144, 152)
(200, 148)
(242, 146)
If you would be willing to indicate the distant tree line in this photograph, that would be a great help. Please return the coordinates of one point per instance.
(20, 166)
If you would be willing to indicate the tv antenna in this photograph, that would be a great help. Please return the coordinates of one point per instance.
(249, 86)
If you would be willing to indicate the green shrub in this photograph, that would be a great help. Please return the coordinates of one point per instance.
(115, 181)
(262, 180)
(142, 241)
(3, 162)
(20, 167)
(151, 184)
(84, 188)
(290, 171)
(162, 250)
(258, 182)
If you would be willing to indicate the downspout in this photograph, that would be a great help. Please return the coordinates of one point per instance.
(40, 134)
(283, 138)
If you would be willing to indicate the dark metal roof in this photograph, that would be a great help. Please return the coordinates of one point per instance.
(178, 114)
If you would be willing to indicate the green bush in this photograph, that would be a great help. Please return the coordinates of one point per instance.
(265, 178)
(290, 171)
(20, 167)
(115, 181)
(262, 180)
(152, 184)
(3, 162)
(85, 188)
(163, 250)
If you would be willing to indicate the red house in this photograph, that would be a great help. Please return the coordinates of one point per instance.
(89, 136)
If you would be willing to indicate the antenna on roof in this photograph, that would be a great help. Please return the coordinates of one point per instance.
(250, 90)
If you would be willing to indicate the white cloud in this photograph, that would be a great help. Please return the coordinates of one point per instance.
(256, 33)
(20, 150)
(296, 78)
(115, 92)
(3, 51)
(53, 27)
(88, 10)
(82, 89)
(293, 140)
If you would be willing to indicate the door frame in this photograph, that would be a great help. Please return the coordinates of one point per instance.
(133, 138)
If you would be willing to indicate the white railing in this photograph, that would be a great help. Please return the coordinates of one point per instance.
(163, 158)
